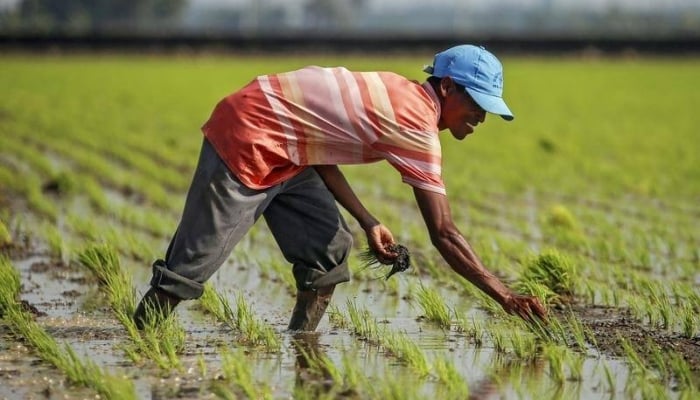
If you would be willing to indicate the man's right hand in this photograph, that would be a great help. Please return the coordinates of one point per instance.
(526, 307)
(380, 240)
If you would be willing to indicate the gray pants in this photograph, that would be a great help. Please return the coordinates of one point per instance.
(219, 210)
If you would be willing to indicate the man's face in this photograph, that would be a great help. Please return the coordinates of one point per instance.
(460, 113)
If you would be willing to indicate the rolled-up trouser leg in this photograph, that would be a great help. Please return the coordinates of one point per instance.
(218, 211)
(306, 223)
(310, 231)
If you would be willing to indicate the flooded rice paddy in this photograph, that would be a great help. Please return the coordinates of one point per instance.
(576, 208)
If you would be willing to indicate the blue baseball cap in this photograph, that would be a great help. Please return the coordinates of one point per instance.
(478, 71)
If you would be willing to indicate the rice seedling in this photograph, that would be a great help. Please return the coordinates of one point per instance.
(434, 307)
(337, 318)
(324, 367)
(484, 301)
(394, 387)
(499, 338)
(162, 339)
(253, 329)
(552, 332)
(202, 365)
(658, 301)
(406, 350)
(84, 373)
(446, 372)
(555, 356)
(574, 363)
(524, 345)
(578, 331)
(150, 221)
(362, 322)
(539, 290)
(9, 285)
(560, 221)
(95, 194)
(639, 387)
(250, 330)
(689, 321)
(236, 369)
(103, 261)
(5, 236)
(284, 272)
(550, 276)
(610, 378)
(211, 303)
(397, 344)
(317, 376)
(559, 215)
(91, 163)
(477, 333)
(30, 156)
(130, 245)
(169, 179)
(682, 373)
(18, 177)
(221, 391)
(693, 298)
(58, 248)
(84, 226)
(656, 359)
(637, 365)
(317, 391)
(40, 203)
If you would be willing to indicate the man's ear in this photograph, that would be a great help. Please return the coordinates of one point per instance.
(446, 86)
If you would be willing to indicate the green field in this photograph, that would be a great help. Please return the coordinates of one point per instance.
(589, 199)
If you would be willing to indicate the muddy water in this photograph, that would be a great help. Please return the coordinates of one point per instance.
(69, 308)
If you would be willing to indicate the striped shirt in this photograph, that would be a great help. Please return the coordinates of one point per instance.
(277, 125)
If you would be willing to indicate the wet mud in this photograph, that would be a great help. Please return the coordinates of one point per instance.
(609, 324)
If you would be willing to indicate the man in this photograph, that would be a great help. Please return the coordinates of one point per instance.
(273, 149)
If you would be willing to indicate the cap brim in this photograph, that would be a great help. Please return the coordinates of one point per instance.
(492, 104)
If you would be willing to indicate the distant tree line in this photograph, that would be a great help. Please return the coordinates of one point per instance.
(80, 16)
(321, 18)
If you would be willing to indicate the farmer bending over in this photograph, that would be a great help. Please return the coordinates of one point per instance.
(272, 149)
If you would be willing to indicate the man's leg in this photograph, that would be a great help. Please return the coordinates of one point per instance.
(308, 227)
(218, 211)
(310, 307)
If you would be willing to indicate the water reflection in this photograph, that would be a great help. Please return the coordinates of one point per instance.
(316, 376)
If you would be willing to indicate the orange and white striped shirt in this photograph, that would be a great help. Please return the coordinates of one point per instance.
(279, 124)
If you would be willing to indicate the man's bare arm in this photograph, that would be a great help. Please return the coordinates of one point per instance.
(459, 255)
(378, 236)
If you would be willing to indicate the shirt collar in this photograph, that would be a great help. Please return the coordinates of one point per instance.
(433, 96)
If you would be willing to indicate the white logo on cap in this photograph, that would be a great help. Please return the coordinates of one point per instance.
(497, 81)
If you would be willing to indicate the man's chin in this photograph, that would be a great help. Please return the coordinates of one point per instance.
(461, 134)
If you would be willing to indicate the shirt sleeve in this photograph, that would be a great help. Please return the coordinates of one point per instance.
(416, 155)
